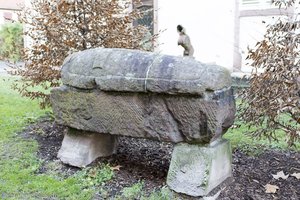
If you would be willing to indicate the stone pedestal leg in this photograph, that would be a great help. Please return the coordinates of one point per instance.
(196, 169)
(80, 148)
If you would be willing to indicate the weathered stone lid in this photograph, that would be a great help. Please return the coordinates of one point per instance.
(139, 71)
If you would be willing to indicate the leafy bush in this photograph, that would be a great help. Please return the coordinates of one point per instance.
(272, 102)
(11, 41)
(57, 28)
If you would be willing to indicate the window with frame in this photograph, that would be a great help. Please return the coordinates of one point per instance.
(148, 18)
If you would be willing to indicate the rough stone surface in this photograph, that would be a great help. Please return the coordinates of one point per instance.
(138, 71)
(172, 118)
(109, 92)
(81, 148)
(196, 169)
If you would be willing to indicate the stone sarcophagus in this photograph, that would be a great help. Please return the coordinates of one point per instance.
(111, 92)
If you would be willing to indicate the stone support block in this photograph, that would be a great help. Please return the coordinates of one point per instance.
(197, 169)
(80, 148)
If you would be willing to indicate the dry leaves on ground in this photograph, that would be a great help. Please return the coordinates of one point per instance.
(296, 175)
(116, 168)
(271, 188)
(280, 175)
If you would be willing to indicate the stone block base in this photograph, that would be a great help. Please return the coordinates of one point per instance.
(80, 148)
(196, 169)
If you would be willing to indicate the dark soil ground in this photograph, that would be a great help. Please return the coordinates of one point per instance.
(148, 161)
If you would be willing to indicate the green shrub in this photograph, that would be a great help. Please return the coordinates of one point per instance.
(11, 41)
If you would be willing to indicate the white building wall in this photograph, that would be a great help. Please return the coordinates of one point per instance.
(210, 25)
(252, 31)
(254, 19)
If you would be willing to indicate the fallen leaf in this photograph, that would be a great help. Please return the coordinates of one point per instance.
(271, 188)
(116, 168)
(256, 181)
(280, 175)
(93, 173)
(297, 175)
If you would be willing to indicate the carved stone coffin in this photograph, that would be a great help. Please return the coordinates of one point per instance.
(143, 94)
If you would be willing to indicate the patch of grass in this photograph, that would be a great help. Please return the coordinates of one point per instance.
(254, 146)
(162, 194)
(18, 160)
(133, 192)
(240, 138)
(136, 192)
(95, 176)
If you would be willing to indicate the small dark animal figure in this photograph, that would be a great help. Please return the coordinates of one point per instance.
(185, 42)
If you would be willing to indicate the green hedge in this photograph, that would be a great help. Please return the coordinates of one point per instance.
(11, 41)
